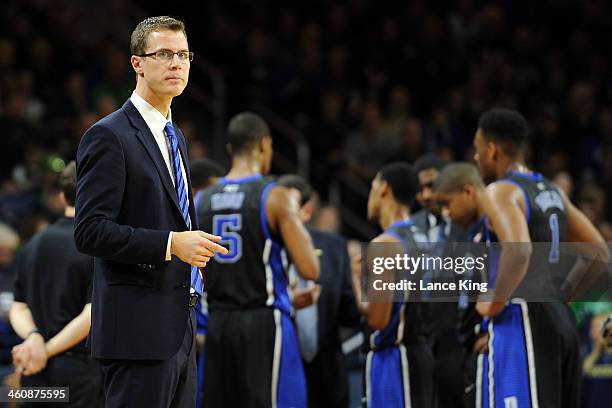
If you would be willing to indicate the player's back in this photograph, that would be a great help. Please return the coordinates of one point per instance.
(547, 222)
(55, 278)
(406, 324)
(545, 212)
(251, 344)
(252, 274)
(535, 333)
(399, 366)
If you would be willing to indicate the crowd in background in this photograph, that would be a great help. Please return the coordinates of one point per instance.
(366, 82)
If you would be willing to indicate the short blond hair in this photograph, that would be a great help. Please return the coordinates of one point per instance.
(140, 35)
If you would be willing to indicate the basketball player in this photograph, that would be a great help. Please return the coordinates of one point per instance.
(399, 365)
(532, 356)
(252, 353)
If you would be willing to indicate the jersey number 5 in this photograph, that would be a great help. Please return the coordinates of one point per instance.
(228, 227)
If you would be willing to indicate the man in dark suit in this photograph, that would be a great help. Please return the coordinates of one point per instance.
(443, 316)
(135, 215)
(322, 309)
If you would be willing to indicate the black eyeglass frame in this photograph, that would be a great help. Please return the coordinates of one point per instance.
(154, 55)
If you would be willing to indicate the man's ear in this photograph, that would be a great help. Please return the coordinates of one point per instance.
(307, 211)
(262, 144)
(228, 148)
(137, 65)
(384, 188)
(469, 190)
(493, 150)
(63, 200)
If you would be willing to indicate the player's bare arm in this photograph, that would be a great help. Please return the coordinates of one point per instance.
(377, 313)
(282, 210)
(594, 251)
(505, 209)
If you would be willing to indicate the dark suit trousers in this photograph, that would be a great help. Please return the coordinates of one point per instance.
(327, 380)
(154, 383)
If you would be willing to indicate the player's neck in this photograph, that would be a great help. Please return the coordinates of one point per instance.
(242, 167)
(392, 214)
(512, 165)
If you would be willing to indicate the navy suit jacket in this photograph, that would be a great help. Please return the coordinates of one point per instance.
(327, 375)
(336, 306)
(442, 317)
(126, 205)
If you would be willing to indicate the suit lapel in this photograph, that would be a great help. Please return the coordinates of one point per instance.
(147, 139)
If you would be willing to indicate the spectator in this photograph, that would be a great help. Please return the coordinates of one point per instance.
(320, 70)
(597, 368)
(370, 146)
(565, 182)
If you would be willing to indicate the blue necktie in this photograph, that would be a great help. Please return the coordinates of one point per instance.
(181, 191)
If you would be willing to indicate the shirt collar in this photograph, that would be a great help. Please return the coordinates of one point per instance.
(154, 119)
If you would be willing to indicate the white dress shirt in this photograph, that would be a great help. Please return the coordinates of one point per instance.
(157, 124)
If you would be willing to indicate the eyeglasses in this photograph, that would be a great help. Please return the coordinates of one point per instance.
(167, 56)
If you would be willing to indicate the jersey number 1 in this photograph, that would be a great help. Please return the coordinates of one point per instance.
(228, 226)
(553, 221)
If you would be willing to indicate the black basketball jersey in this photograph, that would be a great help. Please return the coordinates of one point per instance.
(545, 211)
(406, 323)
(547, 222)
(253, 273)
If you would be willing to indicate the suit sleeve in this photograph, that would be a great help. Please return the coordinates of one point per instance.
(88, 271)
(101, 182)
(348, 314)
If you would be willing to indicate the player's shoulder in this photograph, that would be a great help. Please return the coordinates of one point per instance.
(501, 190)
(503, 184)
(277, 195)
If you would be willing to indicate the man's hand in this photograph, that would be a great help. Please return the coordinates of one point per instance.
(200, 342)
(195, 247)
(481, 345)
(489, 309)
(34, 347)
(21, 356)
(305, 297)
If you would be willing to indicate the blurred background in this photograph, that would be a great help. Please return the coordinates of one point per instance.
(346, 86)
